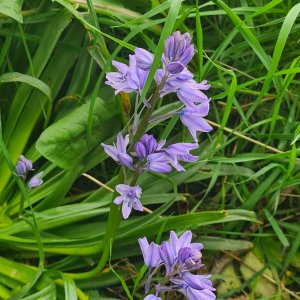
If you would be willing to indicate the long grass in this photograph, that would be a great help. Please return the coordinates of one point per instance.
(240, 199)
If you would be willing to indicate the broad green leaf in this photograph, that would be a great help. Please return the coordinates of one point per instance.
(65, 144)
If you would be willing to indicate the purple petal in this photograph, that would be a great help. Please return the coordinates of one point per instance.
(159, 167)
(202, 109)
(36, 180)
(198, 282)
(167, 256)
(125, 160)
(119, 200)
(188, 158)
(181, 148)
(187, 55)
(193, 294)
(152, 297)
(126, 209)
(169, 47)
(21, 168)
(132, 78)
(175, 67)
(122, 143)
(110, 151)
(150, 253)
(140, 150)
(137, 205)
(158, 76)
(122, 68)
(143, 58)
(161, 144)
(123, 189)
(189, 96)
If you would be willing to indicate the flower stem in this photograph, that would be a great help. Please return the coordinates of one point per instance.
(145, 120)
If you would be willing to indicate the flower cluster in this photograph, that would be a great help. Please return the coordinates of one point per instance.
(174, 77)
(23, 166)
(150, 155)
(146, 153)
(179, 257)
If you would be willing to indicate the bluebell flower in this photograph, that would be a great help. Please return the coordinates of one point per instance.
(192, 118)
(168, 256)
(180, 152)
(23, 166)
(197, 287)
(143, 58)
(190, 93)
(179, 256)
(118, 151)
(36, 180)
(130, 199)
(164, 159)
(178, 50)
(128, 79)
(150, 253)
(157, 162)
(147, 145)
(187, 89)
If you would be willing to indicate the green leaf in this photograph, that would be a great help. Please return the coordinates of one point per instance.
(65, 144)
(12, 8)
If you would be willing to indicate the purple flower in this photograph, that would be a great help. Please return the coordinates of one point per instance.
(150, 253)
(36, 180)
(179, 256)
(183, 241)
(192, 118)
(118, 152)
(198, 282)
(147, 145)
(175, 67)
(180, 152)
(187, 89)
(160, 161)
(197, 287)
(178, 49)
(143, 58)
(189, 258)
(168, 255)
(128, 78)
(157, 162)
(118, 80)
(193, 294)
(23, 166)
(174, 81)
(152, 297)
(189, 92)
(130, 198)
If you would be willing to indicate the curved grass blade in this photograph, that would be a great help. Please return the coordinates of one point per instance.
(34, 82)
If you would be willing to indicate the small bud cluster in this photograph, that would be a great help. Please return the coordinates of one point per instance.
(23, 167)
(179, 257)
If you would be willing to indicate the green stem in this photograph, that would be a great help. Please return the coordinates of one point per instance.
(113, 223)
(21, 206)
(145, 120)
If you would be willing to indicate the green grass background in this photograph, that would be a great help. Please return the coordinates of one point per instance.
(241, 199)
